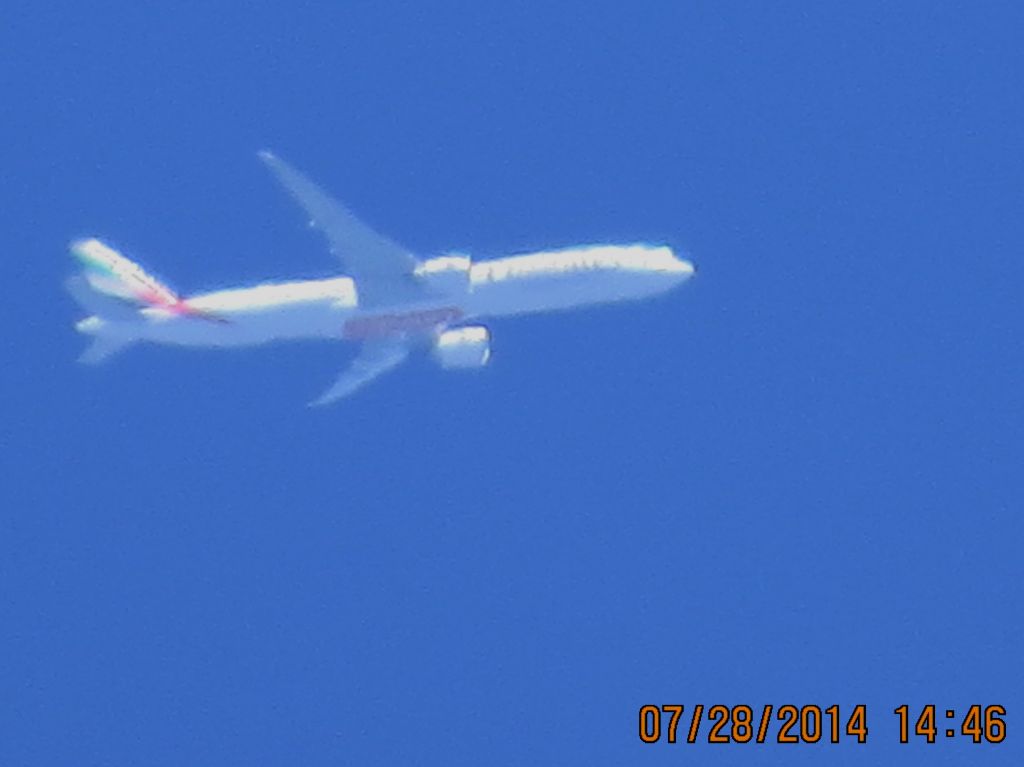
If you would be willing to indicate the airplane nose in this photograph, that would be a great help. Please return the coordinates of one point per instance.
(687, 268)
(684, 270)
(667, 267)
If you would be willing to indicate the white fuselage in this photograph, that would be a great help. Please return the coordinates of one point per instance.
(331, 309)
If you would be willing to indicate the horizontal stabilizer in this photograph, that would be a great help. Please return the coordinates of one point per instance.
(102, 348)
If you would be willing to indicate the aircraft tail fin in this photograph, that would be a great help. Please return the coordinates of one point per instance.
(103, 294)
(110, 274)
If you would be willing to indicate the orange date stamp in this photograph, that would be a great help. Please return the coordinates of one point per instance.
(814, 724)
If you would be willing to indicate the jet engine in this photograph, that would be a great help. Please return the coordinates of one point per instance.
(468, 347)
(448, 275)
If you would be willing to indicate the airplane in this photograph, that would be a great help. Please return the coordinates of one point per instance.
(391, 302)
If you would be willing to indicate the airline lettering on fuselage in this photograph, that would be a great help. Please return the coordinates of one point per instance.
(383, 325)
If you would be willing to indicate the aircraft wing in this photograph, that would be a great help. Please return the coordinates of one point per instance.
(382, 269)
(374, 359)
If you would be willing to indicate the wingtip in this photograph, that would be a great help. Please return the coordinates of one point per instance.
(325, 398)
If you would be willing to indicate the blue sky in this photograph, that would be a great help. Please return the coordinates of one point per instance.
(797, 480)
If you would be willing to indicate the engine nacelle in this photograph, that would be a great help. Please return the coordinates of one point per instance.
(449, 275)
(468, 347)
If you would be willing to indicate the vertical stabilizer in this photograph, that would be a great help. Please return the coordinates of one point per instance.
(113, 275)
